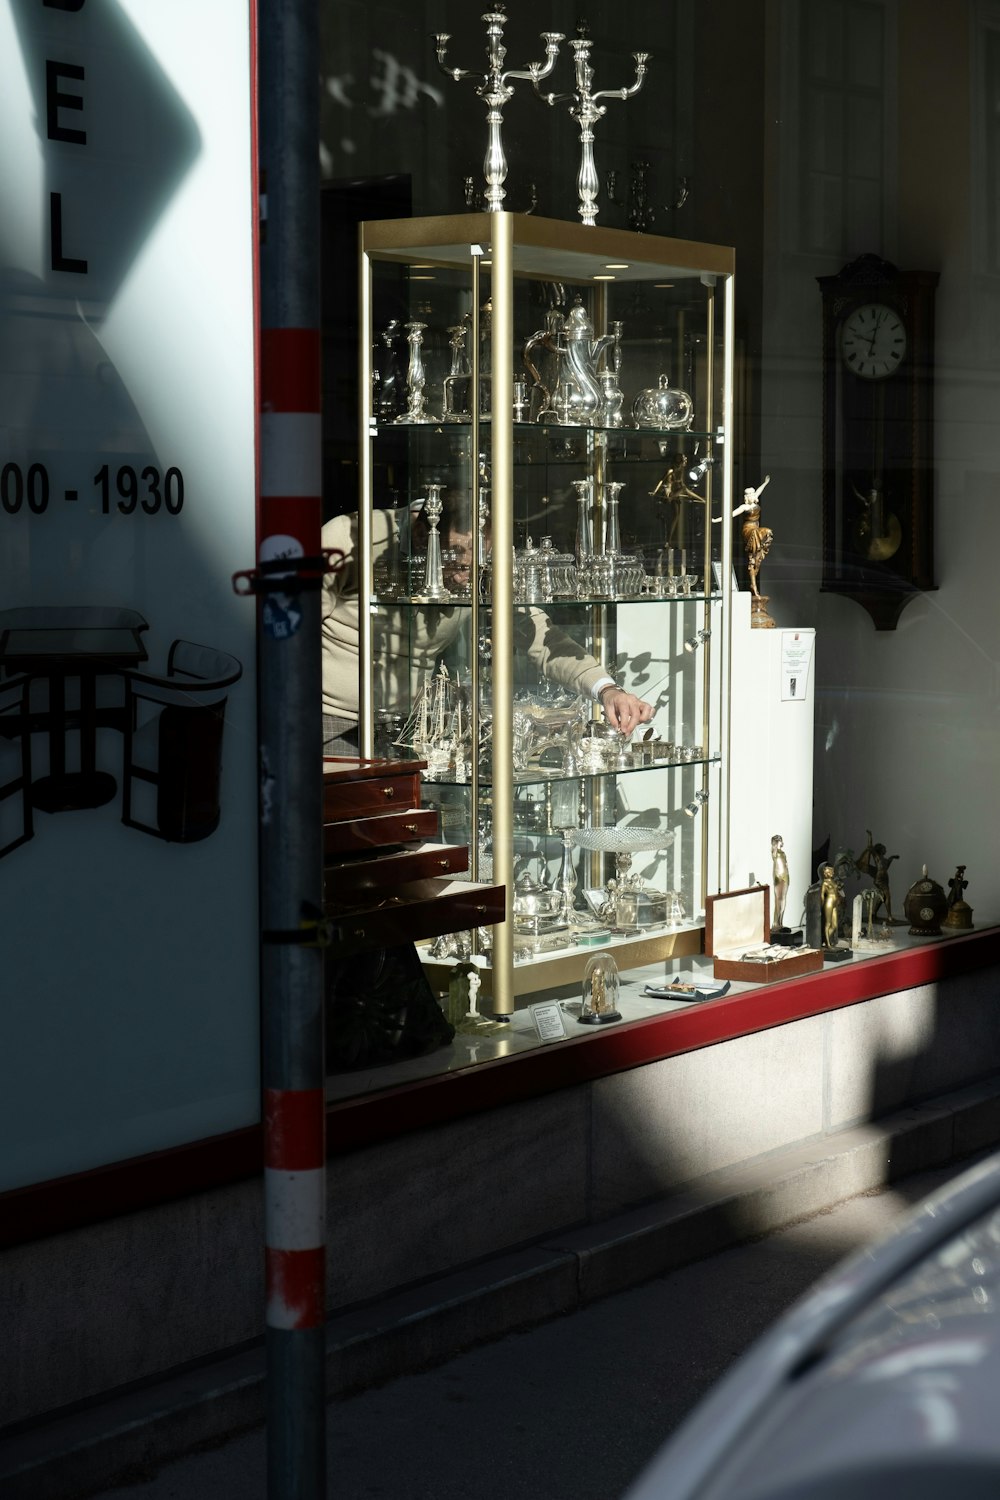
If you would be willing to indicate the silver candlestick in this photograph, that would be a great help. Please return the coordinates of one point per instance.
(613, 535)
(494, 86)
(458, 382)
(567, 882)
(416, 379)
(434, 588)
(584, 523)
(584, 108)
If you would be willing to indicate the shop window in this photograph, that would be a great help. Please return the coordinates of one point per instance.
(843, 51)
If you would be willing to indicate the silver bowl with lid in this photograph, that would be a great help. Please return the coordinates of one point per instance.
(664, 406)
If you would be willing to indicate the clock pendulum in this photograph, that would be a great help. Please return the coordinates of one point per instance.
(877, 532)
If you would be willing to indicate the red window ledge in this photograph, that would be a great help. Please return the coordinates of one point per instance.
(64, 1203)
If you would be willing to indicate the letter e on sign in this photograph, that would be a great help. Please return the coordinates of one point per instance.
(55, 100)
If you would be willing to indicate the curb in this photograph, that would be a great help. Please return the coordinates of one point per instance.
(127, 1437)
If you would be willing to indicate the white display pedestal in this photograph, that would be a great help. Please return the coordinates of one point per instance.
(771, 754)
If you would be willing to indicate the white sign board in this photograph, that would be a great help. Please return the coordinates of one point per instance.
(127, 501)
(796, 665)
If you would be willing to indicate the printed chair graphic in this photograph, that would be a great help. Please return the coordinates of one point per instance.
(59, 681)
(173, 743)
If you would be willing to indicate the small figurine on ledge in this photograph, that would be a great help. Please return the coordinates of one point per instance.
(757, 541)
(779, 887)
(832, 900)
(468, 979)
(959, 914)
(874, 862)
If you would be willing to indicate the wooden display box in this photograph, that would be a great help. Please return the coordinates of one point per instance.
(737, 923)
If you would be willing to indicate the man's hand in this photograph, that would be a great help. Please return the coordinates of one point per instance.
(624, 710)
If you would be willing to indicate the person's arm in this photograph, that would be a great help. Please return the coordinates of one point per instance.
(340, 533)
(561, 659)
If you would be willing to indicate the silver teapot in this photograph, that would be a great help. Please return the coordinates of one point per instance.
(575, 396)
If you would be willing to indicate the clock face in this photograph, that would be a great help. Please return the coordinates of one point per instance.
(873, 341)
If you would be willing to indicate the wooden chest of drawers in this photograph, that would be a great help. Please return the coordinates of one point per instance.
(385, 880)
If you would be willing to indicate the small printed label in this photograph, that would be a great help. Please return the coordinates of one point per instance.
(796, 661)
(548, 1021)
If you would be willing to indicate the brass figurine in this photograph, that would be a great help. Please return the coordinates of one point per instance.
(874, 862)
(674, 489)
(757, 541)
(831, 895)
(959, 914)
(779, 881)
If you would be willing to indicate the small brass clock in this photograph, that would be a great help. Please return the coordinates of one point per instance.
(878, 419)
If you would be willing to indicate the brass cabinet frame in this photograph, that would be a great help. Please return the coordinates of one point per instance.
(569, 253)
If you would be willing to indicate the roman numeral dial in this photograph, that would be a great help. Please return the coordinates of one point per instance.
(873, 341)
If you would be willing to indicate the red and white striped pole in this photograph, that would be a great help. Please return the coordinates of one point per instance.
(294, 1207)
(291, 750)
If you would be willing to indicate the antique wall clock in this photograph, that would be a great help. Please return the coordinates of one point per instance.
(878, 435)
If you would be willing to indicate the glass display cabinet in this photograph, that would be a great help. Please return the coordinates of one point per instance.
(545, 467)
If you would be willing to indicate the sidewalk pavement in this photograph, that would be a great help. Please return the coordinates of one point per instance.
(570, 1410)
(638, 1316)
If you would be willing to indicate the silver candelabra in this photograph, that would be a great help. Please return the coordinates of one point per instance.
(495, 87)
(584, 108)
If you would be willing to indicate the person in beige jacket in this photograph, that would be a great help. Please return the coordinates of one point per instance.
(408, 643)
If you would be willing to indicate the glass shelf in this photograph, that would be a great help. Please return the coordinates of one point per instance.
(463, 601)
(545, 430)
(545, 776)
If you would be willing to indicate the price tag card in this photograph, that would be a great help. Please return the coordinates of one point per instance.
(548, 1021)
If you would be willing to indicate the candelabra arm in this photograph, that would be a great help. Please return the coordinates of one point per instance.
(441, 41)
(641, 69)
(536, 71)
(550, 99)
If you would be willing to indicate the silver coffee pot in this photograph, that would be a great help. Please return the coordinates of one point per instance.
(576, 397)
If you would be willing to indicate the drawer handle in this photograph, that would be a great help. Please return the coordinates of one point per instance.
(445, 864)
(410, 828)
(388, 791)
